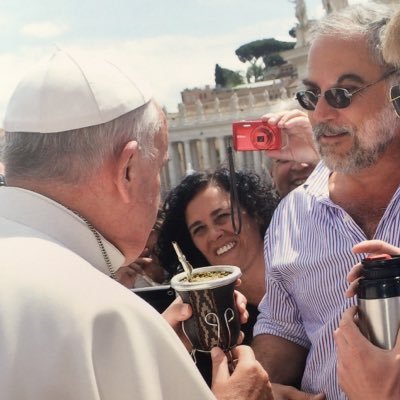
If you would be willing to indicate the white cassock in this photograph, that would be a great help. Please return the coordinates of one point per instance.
(67, 330)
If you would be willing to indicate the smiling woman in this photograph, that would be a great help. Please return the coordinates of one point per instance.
(198, 218)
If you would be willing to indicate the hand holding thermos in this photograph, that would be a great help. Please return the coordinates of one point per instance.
(366, 371)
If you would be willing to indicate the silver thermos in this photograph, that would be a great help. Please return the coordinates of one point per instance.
(378, 297)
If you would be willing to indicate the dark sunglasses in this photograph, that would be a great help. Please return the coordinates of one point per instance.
(335, 97)
(395, 98)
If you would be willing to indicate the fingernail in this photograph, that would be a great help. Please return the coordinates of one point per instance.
(185, 309)
(215, 352)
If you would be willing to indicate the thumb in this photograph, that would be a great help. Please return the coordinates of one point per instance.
(177, 312)
(309, 396)
(375, 247)
(220, 371)
(290, 392)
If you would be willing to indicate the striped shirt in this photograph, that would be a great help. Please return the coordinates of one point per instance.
(308, 255)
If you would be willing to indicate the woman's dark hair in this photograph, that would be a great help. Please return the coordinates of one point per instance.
(257, 198)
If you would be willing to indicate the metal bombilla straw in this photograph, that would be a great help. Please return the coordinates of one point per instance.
(182, 259)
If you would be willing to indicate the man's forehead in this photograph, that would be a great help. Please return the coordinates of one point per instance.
(336, 60)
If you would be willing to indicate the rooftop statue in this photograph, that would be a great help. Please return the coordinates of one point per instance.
(334, 5)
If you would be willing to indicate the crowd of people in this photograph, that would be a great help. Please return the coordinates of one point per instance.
(84, 147)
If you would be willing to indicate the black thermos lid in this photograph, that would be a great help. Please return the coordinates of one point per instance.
(381, 278)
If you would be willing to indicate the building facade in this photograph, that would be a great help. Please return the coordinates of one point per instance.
(199, 135)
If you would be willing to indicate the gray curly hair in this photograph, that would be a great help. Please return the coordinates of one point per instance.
(369, 20)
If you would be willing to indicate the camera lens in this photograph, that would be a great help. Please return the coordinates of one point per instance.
(262, 137)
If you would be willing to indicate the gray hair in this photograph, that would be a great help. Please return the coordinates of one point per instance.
(368, 20)
(72, 156)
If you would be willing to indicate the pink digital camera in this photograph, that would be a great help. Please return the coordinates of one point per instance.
(256, 135)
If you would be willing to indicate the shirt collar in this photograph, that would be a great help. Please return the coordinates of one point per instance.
(317, 183)
(58, 222)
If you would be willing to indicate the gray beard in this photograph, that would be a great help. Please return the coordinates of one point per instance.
(355, 160)
(374, 137)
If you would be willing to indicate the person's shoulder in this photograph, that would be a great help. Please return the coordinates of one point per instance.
(316, 186)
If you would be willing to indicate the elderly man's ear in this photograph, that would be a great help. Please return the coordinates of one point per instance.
(125, 170)
(391, 41)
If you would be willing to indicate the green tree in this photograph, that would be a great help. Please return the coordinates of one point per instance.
(273, 60)
(255, 73)
(265, 49)
(227, 78)
(220, 80)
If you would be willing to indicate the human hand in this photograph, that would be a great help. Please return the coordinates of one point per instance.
(241, 302)
(283, 392)
(372, 247)
(177, 312)
(146, 267)
(126, 276)
(296, 126)
(249, 380)
(365, 372)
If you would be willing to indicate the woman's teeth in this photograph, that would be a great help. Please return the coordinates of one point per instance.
(225, 248)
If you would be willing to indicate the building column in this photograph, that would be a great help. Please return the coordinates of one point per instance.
(165, 181)
(239, 159)
(188, 153)
(213, 153)
(205, 154)
(257, 161)
(223, 158)
(174, 164)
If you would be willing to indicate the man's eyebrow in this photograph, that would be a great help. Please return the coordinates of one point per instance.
(346, 77)
(351, 77)
(307, 82)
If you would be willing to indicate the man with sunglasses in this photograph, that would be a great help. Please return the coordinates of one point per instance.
(359, 361)
(352, 195)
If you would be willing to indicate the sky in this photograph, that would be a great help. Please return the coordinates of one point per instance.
(172, 44)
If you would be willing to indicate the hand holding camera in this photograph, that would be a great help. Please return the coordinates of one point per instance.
(299, 137)
(255, 135)
(286, 135)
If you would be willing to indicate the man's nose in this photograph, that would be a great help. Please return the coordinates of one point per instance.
(323, 111)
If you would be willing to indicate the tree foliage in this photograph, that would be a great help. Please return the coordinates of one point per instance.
(226, 78)
(220, 80)
(255, 73)
(264, 48)
(274, 60)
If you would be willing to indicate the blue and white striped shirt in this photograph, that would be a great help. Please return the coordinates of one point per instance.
(308, 255)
